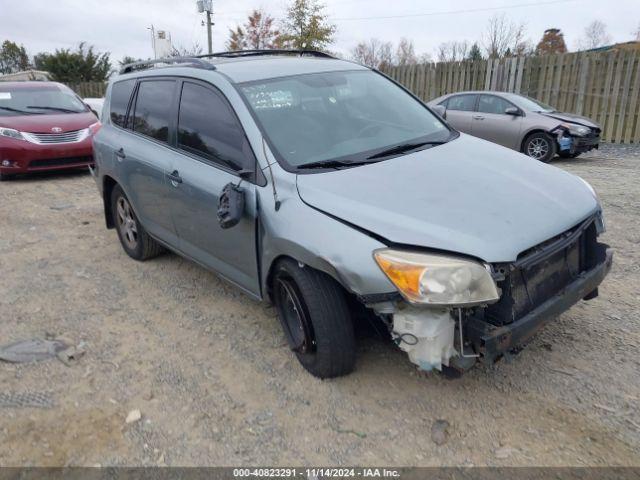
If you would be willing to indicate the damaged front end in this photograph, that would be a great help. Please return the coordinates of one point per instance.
(573, 138)
(543, 282)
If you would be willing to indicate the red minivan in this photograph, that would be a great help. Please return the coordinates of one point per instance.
(43, 126)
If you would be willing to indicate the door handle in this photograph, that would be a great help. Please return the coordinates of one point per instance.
(478, 117)
(120, 154)
(175, 177)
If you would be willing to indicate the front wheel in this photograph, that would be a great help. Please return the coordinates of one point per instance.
(540, 146)
(313, 311)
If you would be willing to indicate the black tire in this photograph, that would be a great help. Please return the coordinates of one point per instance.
(568, 154)
(319, 329)
(139, 246)
(540, 146)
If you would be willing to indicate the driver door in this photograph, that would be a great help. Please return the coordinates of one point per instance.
(210, 148)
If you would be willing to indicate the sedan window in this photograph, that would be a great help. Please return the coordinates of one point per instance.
(493, 104)
(463, 103)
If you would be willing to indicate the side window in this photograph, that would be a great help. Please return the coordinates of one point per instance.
(153, 109)
(120, 95)
(492, 104)
(464, 103)
(208, 127)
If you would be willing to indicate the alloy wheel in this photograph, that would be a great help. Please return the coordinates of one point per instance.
(538, 148)
(127, 223)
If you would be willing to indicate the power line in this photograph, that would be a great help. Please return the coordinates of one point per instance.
(454, 12)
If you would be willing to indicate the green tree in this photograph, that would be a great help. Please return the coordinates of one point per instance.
(13, 57)
(306, 26)
(81, 65)
(475, 53)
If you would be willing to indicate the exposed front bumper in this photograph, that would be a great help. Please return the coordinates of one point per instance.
(493, 341)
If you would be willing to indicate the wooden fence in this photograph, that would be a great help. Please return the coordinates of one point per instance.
(89, 89)
(604, 86)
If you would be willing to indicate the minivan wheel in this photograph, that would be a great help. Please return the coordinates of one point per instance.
(135, 241)
(540, 146)
(313, 311)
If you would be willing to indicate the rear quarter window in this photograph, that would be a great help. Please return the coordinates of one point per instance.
(120, 95)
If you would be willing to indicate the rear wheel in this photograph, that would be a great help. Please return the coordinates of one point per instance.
(133, 237)
(540, 146)
(313, 311)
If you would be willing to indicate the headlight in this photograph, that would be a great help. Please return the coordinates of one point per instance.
(577, 130)
(11, 133)
(435, 279)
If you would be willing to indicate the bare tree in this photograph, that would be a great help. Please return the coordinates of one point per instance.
(595, 35)
(502, 36)
(406, 53)
(637, 34)
(374, 53)
(453, 51)
(181, 51)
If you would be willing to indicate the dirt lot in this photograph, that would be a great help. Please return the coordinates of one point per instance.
(210, 373)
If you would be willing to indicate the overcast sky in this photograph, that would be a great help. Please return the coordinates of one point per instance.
(121, 26)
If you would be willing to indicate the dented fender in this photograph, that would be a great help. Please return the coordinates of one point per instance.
(316, 239)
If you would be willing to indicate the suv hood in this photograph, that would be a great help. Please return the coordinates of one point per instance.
(570, 117)
(43, 123)
(467, 196)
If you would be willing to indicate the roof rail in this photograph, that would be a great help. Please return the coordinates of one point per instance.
(195, 62)
(255, 53)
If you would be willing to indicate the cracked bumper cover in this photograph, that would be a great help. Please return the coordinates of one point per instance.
(493, 341)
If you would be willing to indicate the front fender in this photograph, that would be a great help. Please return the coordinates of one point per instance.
(319, 241)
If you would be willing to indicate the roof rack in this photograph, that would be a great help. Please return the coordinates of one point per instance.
(256, 53)
(195, 62)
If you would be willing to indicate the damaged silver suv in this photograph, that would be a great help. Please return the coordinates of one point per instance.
(326, 188)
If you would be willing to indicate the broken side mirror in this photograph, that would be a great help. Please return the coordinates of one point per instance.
(230, 205)
(440, 110)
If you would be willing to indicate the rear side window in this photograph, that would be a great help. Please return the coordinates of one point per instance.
(492, 104)
(153, 109)
(120, 95)
(208, 127)
(463, 103)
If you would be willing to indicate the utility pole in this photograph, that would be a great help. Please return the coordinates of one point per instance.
(206, 6)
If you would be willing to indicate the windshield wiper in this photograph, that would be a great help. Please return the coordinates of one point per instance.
(333, 164)
(9, 109)
(59, 109)
(404, 148)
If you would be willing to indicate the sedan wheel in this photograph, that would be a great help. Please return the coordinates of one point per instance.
(540, 146)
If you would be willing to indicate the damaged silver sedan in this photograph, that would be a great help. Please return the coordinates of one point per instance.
(329, 190)
(519, 122)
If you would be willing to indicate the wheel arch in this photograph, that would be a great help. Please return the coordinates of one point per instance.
(108, 184)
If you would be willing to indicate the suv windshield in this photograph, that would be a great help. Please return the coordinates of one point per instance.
(46, 98)
(340, 118)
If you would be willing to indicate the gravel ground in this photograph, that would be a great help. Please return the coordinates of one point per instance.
(209, 371)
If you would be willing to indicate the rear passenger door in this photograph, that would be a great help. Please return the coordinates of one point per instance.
(210, 149)
(144, 158)
(491, 123)
(460, 110)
